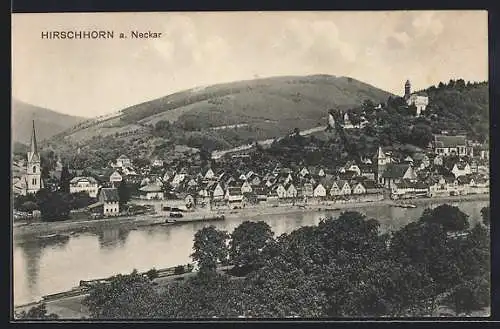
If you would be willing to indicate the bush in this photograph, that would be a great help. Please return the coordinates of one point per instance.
(152, 274)
(179, 270)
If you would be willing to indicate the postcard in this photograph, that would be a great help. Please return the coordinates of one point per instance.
(250, 165)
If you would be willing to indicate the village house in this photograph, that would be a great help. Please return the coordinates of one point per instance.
(396, 172)
(447, 145)
(218, 191)
(151, 192)
(320, 191)
(123, 161)
(307, 190)
(115, 178)
(461, 169)
(358, 188)
(261, 194)
(178, 179)
(233, 194)
(339, 188)
(209, 174)
(246, 188)
(84, 184)
(372, 187)
(279, 190)
(108, 202)
(157, 162)
(291, 190)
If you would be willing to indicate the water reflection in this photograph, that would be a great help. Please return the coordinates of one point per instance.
(110, 238)
(44, 268)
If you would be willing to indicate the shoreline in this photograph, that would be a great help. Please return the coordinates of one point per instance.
(132, 222)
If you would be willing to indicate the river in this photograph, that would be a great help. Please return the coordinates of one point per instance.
(44, 269)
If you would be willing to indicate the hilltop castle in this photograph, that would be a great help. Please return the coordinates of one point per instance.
(420, 100)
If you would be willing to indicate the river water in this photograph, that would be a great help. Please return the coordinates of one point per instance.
(44, 269)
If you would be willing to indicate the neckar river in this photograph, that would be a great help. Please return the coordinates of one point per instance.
(44, 269)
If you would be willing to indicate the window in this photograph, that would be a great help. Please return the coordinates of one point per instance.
(34, 169)
(33, 181)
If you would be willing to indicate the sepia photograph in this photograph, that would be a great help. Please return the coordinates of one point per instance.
(311, 165)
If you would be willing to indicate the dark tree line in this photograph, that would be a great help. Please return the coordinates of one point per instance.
(342, 267)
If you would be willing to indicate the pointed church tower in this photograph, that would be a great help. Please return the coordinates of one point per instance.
(380, 161)
(33, 171)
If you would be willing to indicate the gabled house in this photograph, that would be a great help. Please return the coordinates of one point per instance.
(88, 185)
(447, 144)
(209, 174)
(151, 192)
(246, 187)
(109, 199)
(358, 188)
(291, 191)
(217, 191)
(304, 172)
(279, 190)
(123, 161)
(345, 188)
(308, 190)
(396, 172)
(461, 169)
(115, 178)
(319, 191)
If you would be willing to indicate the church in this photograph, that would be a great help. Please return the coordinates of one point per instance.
(30, 182)
(419, 100)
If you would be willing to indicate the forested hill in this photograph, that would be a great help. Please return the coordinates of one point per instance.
(458, 105)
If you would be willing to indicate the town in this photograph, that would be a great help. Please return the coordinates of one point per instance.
(451, 165)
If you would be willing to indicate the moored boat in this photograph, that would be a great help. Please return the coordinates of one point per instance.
(405, 205)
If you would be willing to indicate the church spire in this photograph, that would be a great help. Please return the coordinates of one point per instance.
(33, 145)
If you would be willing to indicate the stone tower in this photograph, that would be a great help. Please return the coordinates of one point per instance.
(380, 161)
(407, 89)
(33, 171)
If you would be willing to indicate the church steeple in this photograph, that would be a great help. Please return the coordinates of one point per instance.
(33, 155)
(33, 172)
(33, 145)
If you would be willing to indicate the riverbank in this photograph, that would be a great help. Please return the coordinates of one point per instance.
(131, 222)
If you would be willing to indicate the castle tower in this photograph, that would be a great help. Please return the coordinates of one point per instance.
(380, 161)
(33, 171)
(407, 89)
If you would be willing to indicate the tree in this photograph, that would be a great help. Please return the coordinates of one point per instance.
(53, 206)
(248, 244)
(469, 296)
(485, 213)
(450, 217)
(36, 313)
(65, 178)
(123, 297)
(28, 206)
(123, 193)
(209, 248)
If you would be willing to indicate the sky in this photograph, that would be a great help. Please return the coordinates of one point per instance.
(95, 77)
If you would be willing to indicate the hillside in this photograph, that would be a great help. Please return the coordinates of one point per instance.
(48, 122)
(460, 106)
(264, 108)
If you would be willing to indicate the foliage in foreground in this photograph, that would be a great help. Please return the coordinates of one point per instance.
(36, 313)
(343, 267)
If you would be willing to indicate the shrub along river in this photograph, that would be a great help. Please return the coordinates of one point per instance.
(41, 269)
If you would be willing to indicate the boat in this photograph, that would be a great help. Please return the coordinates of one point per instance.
(405, 205)
(176, 215)
(53, 237)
